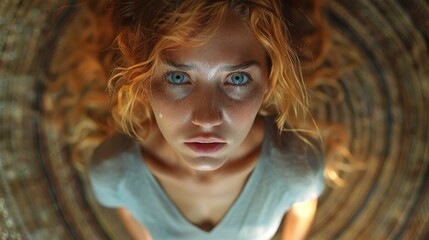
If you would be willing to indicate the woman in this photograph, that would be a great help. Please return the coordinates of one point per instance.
(202, 93)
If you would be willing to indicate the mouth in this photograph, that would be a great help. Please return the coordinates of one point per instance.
(205, 144)
(205, 148)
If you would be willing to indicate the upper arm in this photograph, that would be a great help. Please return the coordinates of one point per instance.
(136, 229)
(304, 209)
(297, 221)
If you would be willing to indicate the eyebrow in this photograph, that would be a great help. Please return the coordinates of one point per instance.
(224, 68)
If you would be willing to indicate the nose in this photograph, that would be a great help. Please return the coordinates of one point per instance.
(207, 111)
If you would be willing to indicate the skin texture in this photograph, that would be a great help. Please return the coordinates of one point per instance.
(205, 104)
(208, 104)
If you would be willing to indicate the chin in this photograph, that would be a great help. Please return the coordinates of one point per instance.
(206, 163)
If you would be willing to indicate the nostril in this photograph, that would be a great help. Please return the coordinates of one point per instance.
(207, 118)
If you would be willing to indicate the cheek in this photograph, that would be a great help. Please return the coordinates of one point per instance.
(169, 114)
(164, 101)
(242, 113)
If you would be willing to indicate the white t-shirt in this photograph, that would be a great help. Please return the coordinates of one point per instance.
(288, 171)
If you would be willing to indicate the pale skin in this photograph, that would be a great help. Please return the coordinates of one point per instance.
(214, 90)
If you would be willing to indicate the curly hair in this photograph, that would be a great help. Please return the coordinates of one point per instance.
(294, 34)
(145, 29)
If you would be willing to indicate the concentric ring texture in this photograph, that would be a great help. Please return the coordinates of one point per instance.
(383, 108)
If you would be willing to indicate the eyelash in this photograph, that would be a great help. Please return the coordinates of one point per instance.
(172, 84)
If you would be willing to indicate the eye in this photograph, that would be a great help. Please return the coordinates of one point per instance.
(177, 78)
(238, 78)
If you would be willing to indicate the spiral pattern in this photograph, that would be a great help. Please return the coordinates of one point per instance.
(381, 100)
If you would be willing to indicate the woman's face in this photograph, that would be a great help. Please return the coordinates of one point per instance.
(205, 99)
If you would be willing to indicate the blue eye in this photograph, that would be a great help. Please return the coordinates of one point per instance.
(238, 78)
(177, 78)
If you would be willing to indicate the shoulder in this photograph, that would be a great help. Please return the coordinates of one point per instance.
(298, 152)
(297, 161)
(293, 148)
(108, 168)
(108, 159)
(110, 149)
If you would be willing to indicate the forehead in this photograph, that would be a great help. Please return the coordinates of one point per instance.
(233, 42)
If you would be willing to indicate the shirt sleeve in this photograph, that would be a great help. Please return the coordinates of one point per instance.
(315, 182)
(106, 171)
(298, 163)
(105, 185)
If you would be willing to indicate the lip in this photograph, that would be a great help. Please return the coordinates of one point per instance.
(205, 139)
(205, 148)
